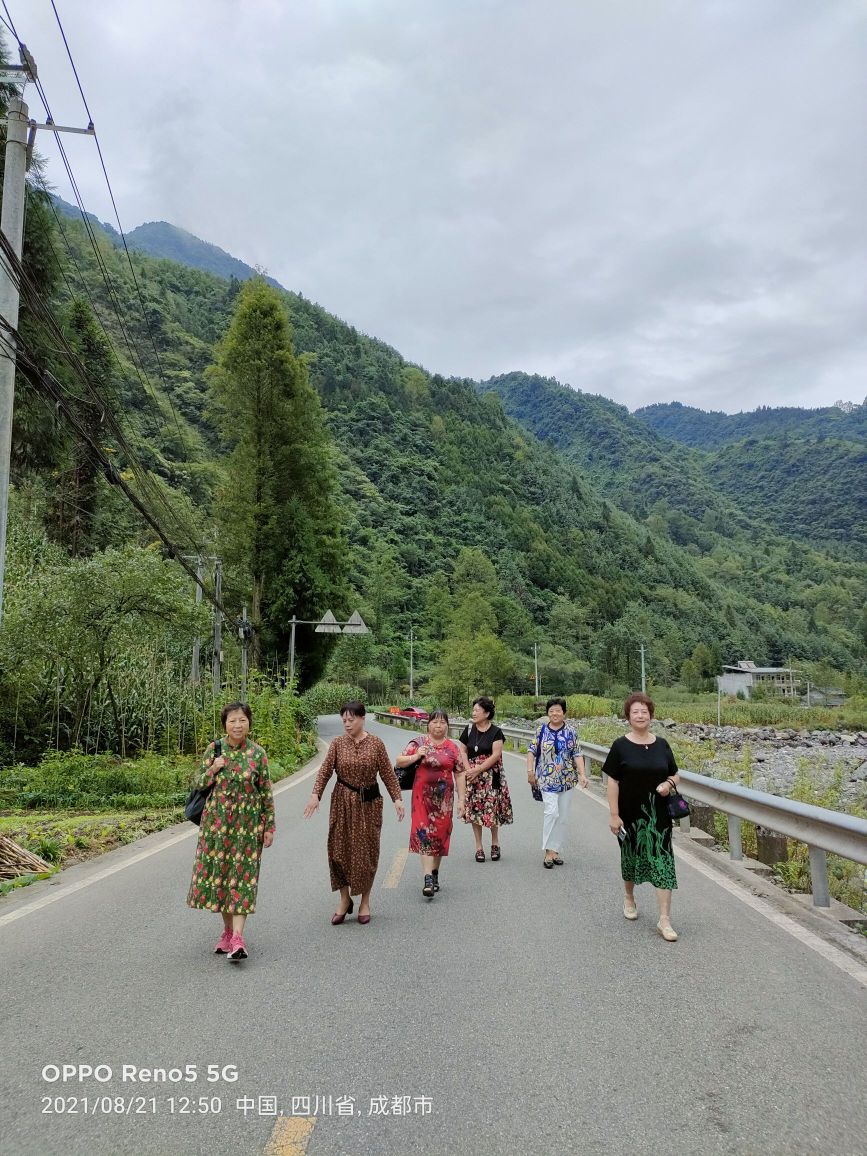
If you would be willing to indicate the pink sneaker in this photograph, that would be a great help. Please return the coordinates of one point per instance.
(224, 945)
(238, 949)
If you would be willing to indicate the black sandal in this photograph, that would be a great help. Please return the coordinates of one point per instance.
(480, 856)
(495, 852)
(428, 889)
(436, 880)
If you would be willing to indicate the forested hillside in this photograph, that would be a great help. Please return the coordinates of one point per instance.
(710, 430)
(456, 523)
(807, 488)
(813, 488)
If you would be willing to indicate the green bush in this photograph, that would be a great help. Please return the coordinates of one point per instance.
(282, 722)
(74, 780)
(329, 697)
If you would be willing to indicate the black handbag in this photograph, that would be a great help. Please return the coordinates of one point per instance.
(406, 776)
(198, 796)
(678, 807)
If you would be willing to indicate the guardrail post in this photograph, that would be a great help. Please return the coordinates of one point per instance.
(736, 847)
(819, 877)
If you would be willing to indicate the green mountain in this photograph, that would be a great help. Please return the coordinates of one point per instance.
(703, 430)
(810, 488)
(160, 239)
(600, 533)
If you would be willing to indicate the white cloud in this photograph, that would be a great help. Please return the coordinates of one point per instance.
(650, 201)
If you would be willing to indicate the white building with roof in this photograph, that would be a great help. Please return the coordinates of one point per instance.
(745, 676)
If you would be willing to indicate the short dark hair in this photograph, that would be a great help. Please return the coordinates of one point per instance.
(438, 713)
(638, 697)
(487, 704)
(557, 701)
(230, 707)
(354, 707)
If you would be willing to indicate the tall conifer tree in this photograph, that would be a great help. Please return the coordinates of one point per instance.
(280, 531)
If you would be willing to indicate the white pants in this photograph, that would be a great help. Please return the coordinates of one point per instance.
(556, 805)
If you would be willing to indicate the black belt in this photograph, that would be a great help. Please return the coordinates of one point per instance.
(368, 794)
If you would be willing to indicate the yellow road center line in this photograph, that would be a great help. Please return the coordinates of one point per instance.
(392, 879)
(290, 1136)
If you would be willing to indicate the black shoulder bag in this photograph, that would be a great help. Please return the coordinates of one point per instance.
(195, 804)
(406, 775)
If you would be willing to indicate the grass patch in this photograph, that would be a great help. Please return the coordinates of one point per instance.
(73, 806)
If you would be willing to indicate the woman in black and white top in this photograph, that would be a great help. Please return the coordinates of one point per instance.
(487, 801)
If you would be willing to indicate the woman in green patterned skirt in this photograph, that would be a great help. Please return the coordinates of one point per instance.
(641, 772)
(237, 822)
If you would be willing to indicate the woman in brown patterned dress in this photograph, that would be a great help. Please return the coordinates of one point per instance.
(355, 818)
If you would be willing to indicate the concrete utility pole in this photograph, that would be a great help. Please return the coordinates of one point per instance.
(12, 224)
(411, 640)
(218, 626)
(195, 674)
(643, 680)
(536, 665)
(244, 633)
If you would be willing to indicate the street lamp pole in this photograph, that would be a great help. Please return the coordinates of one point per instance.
(327, 624)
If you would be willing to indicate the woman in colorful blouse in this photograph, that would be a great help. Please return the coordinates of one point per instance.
(440, 769)
(237, 822)
(641, 774)
(554, 767)
(488, 803)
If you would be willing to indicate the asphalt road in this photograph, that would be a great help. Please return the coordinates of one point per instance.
(518, 1011)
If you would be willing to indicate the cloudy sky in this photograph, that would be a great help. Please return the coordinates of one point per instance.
(648, 199)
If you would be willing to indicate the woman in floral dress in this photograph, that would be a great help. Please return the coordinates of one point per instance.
(440, 769)
(488, 802)
(237, 822)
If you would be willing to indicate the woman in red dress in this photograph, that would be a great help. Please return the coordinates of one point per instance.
(440, 768)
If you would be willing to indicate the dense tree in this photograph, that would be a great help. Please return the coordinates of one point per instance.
(279, 527)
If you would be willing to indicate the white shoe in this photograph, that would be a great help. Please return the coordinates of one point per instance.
(630, 911)
(667, 932)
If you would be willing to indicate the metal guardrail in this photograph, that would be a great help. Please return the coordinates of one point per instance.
(821, 829)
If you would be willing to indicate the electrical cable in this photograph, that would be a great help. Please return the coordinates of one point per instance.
(48, 386)
(42, 312)
(113, 301)
(116, 213)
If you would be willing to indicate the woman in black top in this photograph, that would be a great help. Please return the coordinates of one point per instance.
(641, 772)
(487, 801)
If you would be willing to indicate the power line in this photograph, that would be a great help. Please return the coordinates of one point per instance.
(41, 311)
(48, 386)
(113, 302)
(116, 213)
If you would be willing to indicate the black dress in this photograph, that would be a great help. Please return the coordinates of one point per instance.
(645, 855)
(487, 801)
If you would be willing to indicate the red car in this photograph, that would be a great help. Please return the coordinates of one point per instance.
(414, 712)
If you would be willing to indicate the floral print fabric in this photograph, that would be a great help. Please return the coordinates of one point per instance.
(557, 752)
(646, 855)
(238, 812)
(485, 805)
(433, 795)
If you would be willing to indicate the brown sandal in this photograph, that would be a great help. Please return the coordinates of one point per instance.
(480, 856)
(495, 852)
